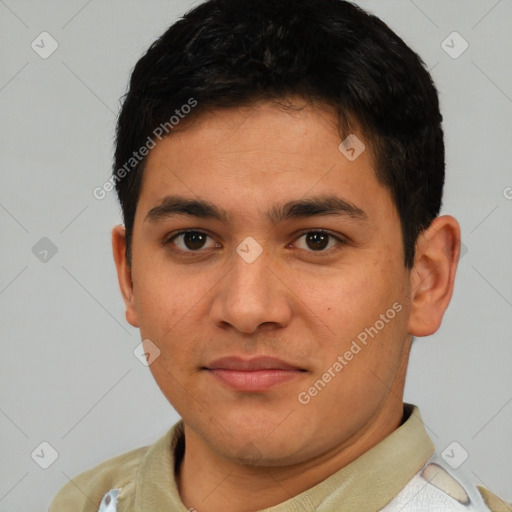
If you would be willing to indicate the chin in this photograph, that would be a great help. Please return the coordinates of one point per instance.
(269, 446)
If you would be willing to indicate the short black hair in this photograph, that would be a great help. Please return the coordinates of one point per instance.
(230, 53)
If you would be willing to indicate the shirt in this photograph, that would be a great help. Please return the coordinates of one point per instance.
(401, 473)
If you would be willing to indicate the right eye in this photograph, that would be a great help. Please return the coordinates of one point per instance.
(188, 241)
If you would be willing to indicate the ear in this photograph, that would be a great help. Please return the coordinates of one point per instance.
(433, 275)
(124, 273)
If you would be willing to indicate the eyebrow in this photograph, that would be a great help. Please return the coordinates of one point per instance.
(172, 206)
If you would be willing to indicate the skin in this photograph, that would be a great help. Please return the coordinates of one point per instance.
(305, 306)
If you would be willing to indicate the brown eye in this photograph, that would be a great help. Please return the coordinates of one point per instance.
(189, 241)
(319, 241)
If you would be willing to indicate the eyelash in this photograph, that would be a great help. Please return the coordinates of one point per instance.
(341, 242)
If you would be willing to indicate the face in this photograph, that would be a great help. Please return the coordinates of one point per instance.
(268, 271)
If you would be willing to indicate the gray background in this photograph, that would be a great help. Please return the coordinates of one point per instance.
(68, 373)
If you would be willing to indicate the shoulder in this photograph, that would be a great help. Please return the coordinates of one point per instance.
(84, 492)
(438, 488)
(494, 503)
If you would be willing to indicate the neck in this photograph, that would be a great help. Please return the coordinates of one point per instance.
(207, 481)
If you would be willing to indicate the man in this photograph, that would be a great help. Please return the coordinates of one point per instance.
(280, 167)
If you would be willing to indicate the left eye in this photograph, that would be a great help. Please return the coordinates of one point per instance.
(318, 241)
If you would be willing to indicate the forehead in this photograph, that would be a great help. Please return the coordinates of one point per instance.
(265, 127)
(241, 158)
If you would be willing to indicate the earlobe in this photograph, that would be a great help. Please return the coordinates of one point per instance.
(124, 273)
(433, 275)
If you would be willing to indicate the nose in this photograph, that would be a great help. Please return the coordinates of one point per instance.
(252, 295)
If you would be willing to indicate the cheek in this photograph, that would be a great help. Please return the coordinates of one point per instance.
(168, 305)
(160, 299)
(366, 315)
(350, 300)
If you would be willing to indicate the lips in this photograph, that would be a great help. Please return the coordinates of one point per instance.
(257, 374)
(258, 363)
